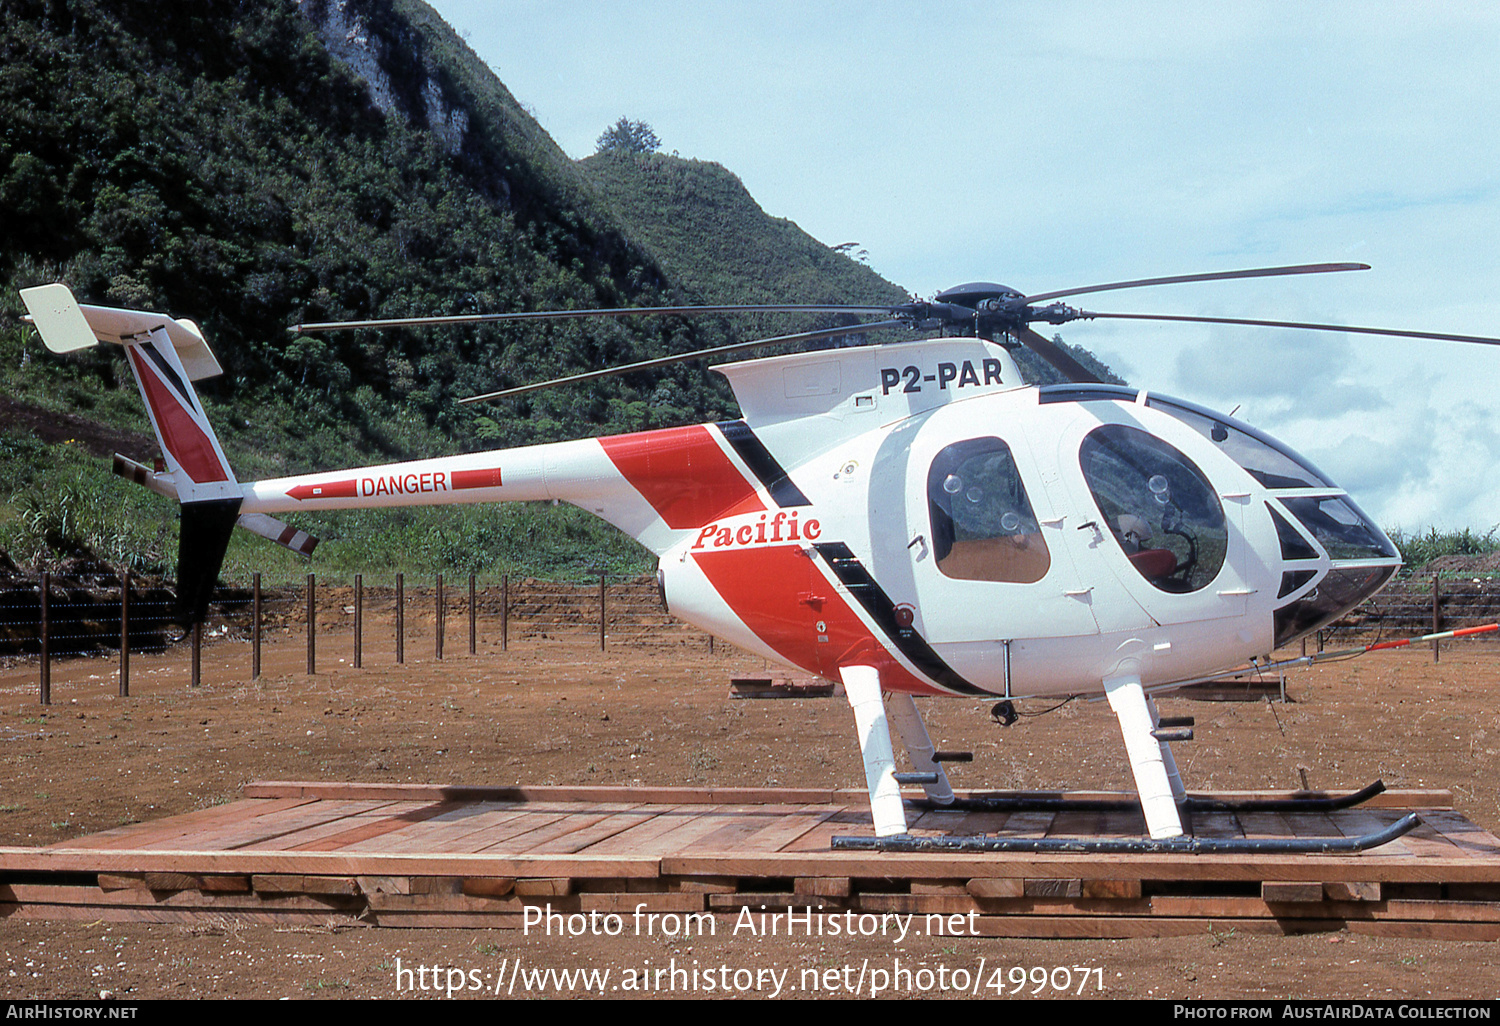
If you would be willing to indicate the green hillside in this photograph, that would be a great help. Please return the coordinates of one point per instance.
(230, 167)
(222, 163)
(713, 240)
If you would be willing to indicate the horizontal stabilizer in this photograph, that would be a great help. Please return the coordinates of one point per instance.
(282, 534)
(141, 474)
(65, 326)
(256, 523)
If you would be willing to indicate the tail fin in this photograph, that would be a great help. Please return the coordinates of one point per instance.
(166, 356)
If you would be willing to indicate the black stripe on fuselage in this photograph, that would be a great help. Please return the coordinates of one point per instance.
(853, 576)
(762, 464)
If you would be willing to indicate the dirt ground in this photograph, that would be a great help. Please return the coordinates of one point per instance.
(562, 712)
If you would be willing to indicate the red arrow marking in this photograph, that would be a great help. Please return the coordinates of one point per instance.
(328, 490)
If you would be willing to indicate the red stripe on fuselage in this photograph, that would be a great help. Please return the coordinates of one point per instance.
(783, 597)
(485, 477)
(684, 474)
(180, 433)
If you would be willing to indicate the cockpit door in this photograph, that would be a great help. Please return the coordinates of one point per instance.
(1165, 512)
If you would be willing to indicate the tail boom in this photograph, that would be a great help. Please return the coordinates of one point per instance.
(577, 472)
(657, 486)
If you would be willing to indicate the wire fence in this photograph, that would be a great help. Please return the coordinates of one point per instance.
(1415, 604)
(391, 617)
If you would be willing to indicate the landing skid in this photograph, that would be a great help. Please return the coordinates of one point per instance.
(1139, 845)
(1160, 796)
(1125, 845)
(1193, 803)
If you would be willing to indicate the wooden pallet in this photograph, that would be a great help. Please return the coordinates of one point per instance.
(421, 855)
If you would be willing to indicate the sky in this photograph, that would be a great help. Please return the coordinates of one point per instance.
(1048, 145)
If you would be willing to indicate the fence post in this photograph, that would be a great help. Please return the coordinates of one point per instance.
(255, 626)
(312, 625)
(400, 618)
(601, 612)
(473, 638)
(195, 674)
(42, 596)
(1436, 617)
(504, 611)
(438, 641)
(359, 621)
(125, 634)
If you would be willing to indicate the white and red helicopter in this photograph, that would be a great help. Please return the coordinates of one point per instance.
(908, 519)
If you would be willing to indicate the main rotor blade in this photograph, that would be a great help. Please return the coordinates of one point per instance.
(1053, 354)
(805, 336)
(1254, 272)
(551, 315)
(1440, 336)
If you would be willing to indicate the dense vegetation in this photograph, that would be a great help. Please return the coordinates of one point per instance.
(220, 161)
(1418, 548)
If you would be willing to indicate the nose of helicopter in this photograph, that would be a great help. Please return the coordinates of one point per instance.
(1333, 557)
(1360, 561)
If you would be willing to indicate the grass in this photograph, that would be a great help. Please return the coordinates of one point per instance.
(325, 984)
(1420, 548)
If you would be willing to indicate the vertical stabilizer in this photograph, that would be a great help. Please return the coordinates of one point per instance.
(166, 356)
(206, 486)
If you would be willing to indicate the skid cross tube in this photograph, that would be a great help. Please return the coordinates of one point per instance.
(1134, 845)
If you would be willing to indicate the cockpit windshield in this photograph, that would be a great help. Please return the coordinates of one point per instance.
(1333, 555)
(1267, 460)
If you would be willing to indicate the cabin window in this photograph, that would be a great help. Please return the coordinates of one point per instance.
(1158, 505)
(983, 528)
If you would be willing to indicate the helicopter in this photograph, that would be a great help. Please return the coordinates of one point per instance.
(906, 519)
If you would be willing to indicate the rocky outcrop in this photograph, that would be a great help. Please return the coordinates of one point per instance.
(395, 69)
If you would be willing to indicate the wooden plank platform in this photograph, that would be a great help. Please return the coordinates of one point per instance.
(424, 855)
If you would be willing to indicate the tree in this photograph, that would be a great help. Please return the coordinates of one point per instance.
(626, 136)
